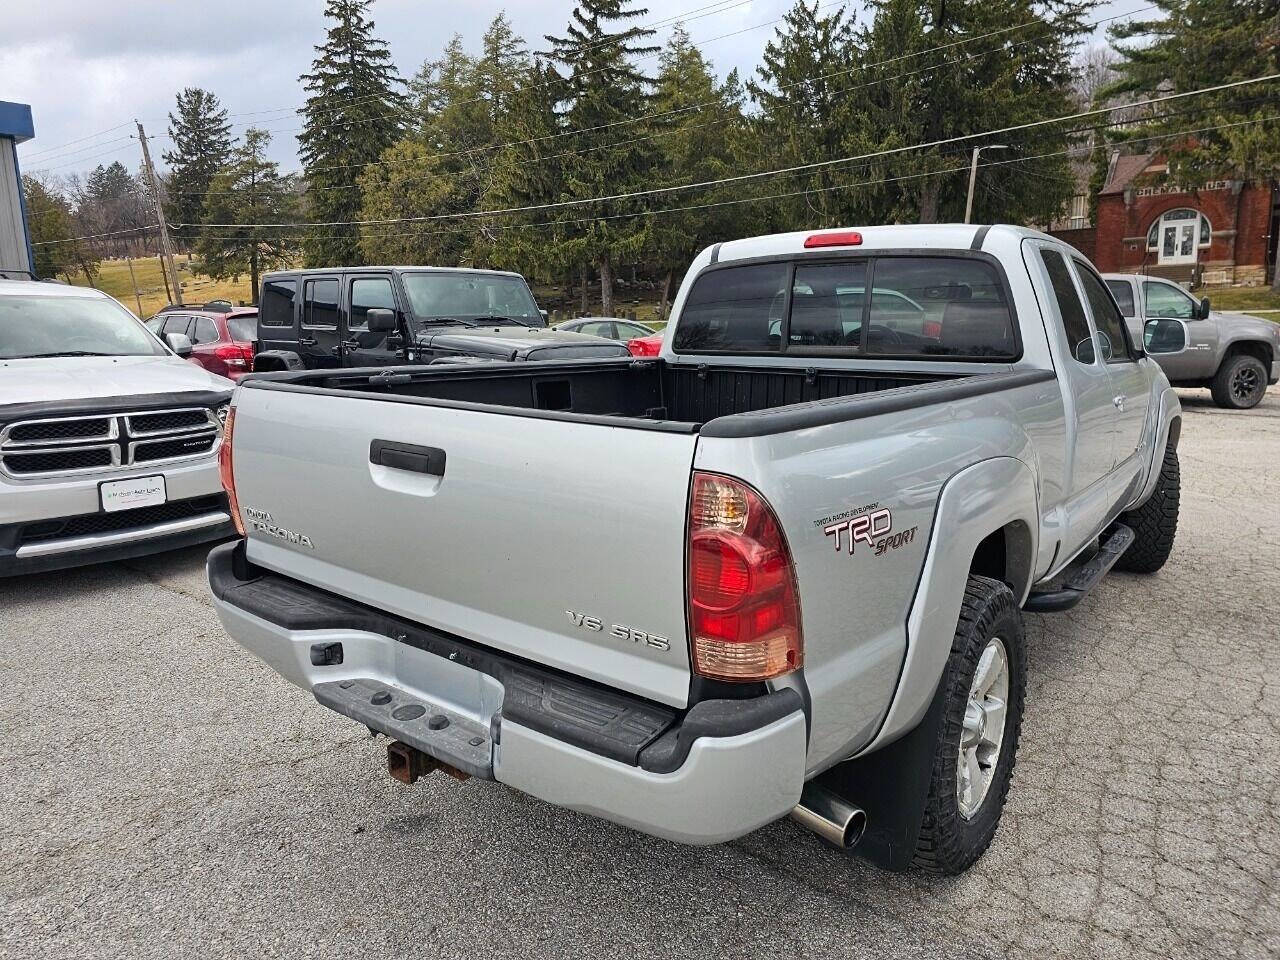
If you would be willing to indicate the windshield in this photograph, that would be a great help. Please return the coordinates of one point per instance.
(470, 296)
(71, 326)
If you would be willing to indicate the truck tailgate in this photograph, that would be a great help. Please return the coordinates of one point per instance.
(558, 541)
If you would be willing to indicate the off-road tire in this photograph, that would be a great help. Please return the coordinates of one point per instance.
(948, 843)
(1224, 384)
(1155, 523)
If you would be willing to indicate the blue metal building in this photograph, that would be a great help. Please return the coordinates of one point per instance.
(16, 257)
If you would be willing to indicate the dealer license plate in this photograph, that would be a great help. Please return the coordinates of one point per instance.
(128, 494)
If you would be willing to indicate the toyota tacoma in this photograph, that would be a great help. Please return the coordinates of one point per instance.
(779, 569)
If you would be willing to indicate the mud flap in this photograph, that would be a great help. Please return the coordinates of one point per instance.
(892, 786)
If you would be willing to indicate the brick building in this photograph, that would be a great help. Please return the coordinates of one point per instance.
(1224, 229)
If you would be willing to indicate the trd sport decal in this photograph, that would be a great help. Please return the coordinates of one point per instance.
(872, 525)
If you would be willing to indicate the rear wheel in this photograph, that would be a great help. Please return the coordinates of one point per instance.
(1240, 383)
(1155, 523)
(984, 687)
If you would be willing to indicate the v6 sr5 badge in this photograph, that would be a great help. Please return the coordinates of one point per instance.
(873, 528)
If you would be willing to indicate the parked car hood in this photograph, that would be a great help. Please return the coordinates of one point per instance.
(511, 343)
(52, 379)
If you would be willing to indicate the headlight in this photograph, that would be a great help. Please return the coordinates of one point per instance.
(222, 413)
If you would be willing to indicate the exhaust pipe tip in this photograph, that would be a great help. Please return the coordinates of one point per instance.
(830, 816)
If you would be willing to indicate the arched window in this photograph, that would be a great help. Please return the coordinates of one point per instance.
(1178, 235)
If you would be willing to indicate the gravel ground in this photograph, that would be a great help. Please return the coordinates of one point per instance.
(163, 794)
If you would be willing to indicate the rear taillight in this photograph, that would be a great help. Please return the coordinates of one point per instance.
(744, 613)
(226, 470)
(932, 329)
(235, 355)
(645, 346)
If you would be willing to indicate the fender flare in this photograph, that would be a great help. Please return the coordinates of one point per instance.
(290, 360)
(973, 504)
(1168, 430)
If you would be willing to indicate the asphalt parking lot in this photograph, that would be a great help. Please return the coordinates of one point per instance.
(163, 794)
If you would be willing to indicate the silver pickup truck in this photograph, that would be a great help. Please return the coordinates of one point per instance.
(777, 570)
(1233, 354)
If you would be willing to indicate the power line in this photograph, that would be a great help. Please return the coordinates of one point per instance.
(88, 136)
(741, 178)
(962, 168)
(1083, 150)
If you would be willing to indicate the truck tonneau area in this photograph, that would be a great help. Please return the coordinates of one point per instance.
(653, 394)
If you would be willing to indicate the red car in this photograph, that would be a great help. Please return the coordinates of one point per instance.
(222, 342)
(649, 346)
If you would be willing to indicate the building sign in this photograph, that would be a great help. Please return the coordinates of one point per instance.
(1174, 188)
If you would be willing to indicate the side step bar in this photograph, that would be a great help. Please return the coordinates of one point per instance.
(1078, 581)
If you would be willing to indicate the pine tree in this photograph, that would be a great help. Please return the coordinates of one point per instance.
(250, 190)
(802, 91)
(354, 112)
(603, 92)
(526, 171)
(111, 201)
(1193, 44)
(924, 94)
(699, 135)
(202, 141)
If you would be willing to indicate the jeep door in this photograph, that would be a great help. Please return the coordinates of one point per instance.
(362, 347)
(319, 342)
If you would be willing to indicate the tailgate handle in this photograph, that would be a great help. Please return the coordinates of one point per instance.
(407, 456)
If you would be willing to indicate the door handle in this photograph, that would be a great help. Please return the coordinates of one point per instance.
(307, 341)
(341, 345)
(407, 456)
(1119, 403)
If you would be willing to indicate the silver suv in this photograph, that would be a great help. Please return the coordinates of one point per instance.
(108, 439)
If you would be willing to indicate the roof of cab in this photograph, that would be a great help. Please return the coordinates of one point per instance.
(387, 269)
(911, 236)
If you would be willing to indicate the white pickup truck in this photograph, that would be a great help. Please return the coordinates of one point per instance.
(777, 570)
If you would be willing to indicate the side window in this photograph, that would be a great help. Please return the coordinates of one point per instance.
(320, 303)
(827, 301)
(939, 307)
(1076, 326)
(276, 308)
(1106, 317)
(369, 293)
(204, 331)
(599, 328)
(734, 309)
(176, 324)
(1122, 290)
(1167, 301)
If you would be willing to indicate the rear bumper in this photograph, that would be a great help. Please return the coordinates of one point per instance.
(709, 774)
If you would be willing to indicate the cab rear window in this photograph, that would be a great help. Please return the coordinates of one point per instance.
(943, 307)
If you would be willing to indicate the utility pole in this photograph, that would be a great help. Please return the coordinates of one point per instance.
(166, 249)
(973, 175)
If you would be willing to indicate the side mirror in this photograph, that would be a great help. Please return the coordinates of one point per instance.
(179, 343)
(1084, 351)
(381, 320)
(1203, 312)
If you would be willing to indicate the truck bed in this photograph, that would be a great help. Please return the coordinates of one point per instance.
(677, 397)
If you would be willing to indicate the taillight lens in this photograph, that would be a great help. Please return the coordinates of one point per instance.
(235, 355)
(226, 470)
(645, 346)
(932, 329)
(744, 612)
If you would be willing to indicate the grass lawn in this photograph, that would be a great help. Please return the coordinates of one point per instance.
(1246, 299)
(113, 278)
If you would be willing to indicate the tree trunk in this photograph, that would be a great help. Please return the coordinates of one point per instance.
(582, 290)
(666, 295)
(929, 202)
(606, 286)
(253, 275)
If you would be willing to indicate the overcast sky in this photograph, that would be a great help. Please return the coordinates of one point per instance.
(86, 67)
